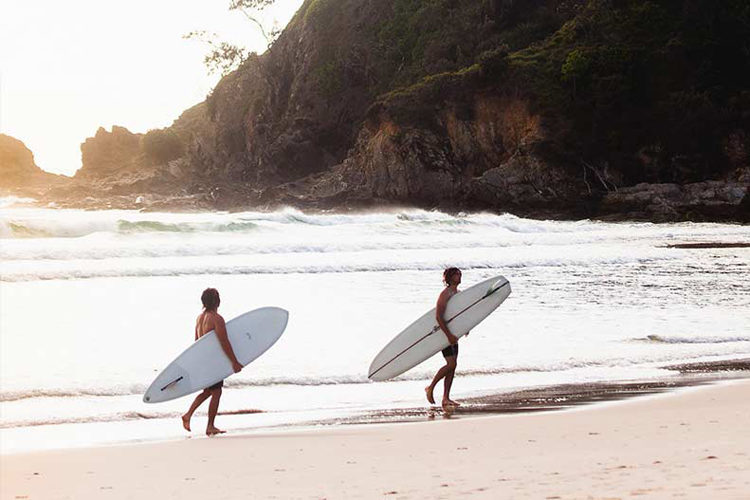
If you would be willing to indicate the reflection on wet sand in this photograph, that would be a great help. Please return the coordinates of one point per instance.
(556, 397)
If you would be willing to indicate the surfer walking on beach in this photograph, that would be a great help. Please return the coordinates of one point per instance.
(209, 320)
(451, 278)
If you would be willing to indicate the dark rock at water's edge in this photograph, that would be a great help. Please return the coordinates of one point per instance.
(544, 108)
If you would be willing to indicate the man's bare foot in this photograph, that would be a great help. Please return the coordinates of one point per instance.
(430, 397)
(454, 403)
(212, 431)
(447, 403)
(186, 422)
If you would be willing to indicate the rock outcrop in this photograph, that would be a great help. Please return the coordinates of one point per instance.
(18, 171)
(109, 152)
(698, 201)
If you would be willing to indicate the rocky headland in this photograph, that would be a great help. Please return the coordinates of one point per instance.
(543, 108)
(19, 172)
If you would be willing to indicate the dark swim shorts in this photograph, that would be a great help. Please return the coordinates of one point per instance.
(451, 350)
(217, 385)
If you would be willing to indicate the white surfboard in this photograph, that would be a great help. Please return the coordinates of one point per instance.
(204, 363)
(424, 338)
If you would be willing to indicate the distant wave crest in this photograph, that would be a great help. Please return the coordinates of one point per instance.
(660, 339)
(286, 264)
(47, 223)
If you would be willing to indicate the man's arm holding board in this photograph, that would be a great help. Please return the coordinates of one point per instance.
(221, 333)
(439, 312)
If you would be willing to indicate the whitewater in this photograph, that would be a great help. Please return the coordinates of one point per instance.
(94, 303)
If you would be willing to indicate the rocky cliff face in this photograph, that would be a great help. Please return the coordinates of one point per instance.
(535, 108)
(109, 152)
(121, 169)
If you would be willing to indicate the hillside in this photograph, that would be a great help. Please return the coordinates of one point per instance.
(561, 108)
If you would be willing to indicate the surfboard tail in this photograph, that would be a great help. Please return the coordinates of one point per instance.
(497, 285)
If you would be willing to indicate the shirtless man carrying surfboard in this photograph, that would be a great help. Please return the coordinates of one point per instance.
(451, 278)
(209, 320)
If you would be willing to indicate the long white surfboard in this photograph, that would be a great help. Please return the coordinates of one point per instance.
(204, 363)
(424, 338)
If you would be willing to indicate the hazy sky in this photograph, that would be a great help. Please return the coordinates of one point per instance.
(69, 67)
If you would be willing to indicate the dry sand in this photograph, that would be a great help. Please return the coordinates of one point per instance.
(692, 443)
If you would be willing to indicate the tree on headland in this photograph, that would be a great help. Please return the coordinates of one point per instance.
(161, 146)
(250, 9)
(224, 57)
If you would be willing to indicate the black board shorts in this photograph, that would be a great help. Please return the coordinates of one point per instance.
(217, 385)
(451, 350)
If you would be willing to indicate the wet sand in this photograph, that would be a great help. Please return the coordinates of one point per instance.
(688, 443)
(708, 245)
(557, 397)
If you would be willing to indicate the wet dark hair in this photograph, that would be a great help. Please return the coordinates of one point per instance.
(210, 299)
(449, 273)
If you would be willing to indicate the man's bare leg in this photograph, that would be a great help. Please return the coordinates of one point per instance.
(213, 409)
(199, 399)
(430, 388)
(447, 401)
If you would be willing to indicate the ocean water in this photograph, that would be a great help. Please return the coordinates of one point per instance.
(93, 304)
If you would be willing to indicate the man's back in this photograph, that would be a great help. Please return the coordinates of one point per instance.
(206, 321)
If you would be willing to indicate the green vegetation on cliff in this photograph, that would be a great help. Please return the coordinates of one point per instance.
(656, 90)
(161, 145)
(547, 94)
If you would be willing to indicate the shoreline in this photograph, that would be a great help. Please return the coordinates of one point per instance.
(530, 400)
(557, 397)
(691, 442)
(187, 204)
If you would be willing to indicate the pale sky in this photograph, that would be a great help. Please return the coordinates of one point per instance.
(70, 67)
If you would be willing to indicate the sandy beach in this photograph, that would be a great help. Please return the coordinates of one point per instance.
(689, 443)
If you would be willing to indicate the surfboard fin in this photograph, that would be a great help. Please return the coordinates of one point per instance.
(171, 383)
